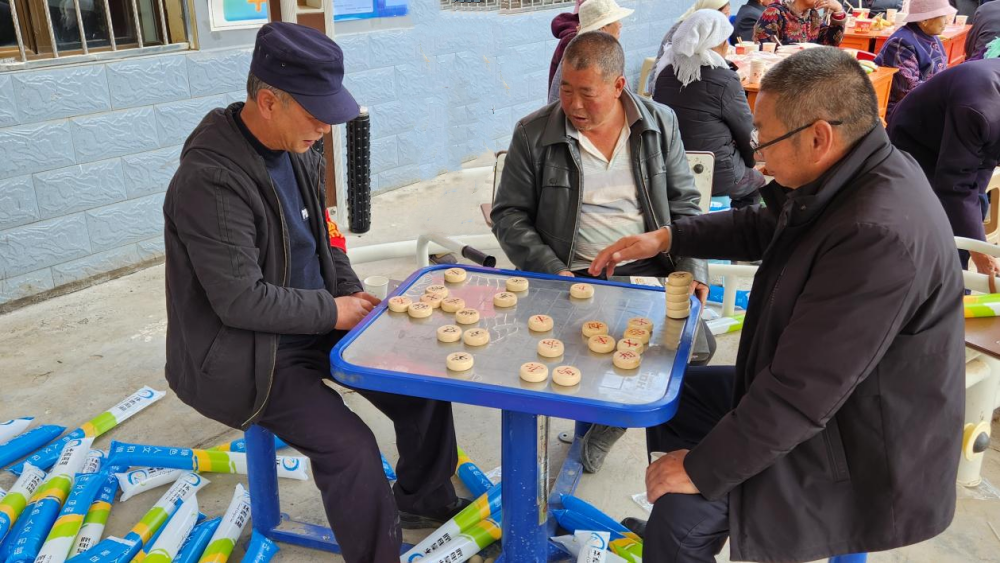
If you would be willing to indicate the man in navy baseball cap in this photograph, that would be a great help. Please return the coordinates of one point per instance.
(257, 295)
(308, 66)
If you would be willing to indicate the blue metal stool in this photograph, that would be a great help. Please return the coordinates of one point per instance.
(265, 505)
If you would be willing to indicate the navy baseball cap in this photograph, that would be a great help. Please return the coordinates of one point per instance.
(308, 65)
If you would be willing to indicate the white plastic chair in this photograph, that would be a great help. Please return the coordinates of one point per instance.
(703, 167)
(647, 67)
(992, 222)
(982, 376)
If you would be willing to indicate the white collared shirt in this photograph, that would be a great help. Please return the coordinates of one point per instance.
(610, 207)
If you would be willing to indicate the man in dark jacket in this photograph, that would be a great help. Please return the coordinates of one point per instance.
(256, 297)
(949, 125)
(839, 429)
(582, 172)
(985, 28)
(746, 19)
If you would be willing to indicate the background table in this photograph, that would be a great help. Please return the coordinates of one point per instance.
(983, 335)
(881, 80)
(953, 40)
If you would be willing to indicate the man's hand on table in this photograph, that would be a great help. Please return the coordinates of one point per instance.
(351, 309)
(567, 274)
(635, 247)
(367, 297)
(667, 475)
(700, 289)
(985, 264)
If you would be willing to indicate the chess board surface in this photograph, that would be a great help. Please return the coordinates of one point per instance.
(393, 344)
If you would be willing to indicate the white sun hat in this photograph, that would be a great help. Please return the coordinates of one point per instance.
(921, 10)
(595, 14)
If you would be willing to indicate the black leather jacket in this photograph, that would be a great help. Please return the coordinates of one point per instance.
(536, 211)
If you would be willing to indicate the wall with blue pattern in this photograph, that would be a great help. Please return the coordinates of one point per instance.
(87, 151)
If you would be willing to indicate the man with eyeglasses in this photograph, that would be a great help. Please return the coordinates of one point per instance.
(839, 428)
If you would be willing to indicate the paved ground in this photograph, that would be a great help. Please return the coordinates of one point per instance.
(68, 358)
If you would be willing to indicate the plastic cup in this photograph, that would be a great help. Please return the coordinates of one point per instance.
(757, 70)
(961, 20)
(768, 47)
(377, 286)
(890, 15)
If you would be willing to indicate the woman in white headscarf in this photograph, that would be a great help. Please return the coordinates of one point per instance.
(703, 89)
(720, 5)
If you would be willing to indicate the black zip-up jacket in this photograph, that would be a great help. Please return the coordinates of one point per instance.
(227, 266)
(850, 377)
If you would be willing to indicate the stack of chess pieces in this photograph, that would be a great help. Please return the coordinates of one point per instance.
(678, 295)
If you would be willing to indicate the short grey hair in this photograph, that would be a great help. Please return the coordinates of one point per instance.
(823, 83)
(255, 85)
(596, 48)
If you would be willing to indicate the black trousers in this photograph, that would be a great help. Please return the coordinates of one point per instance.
(690, 528)
(362, 509)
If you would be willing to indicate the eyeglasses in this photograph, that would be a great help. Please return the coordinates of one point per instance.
(758, 147)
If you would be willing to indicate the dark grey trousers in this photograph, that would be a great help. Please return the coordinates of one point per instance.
(690, 528)
(362, 509)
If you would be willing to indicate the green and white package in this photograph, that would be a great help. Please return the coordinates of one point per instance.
(14, 502)
(165, 548)
(224, 539)
(94, 462)
(145, 479)
(59, 541)
(11, 428)
(466, 544)
(201, 461)
(49, 499)
(184, 488)
(96, 426)
(96, 518)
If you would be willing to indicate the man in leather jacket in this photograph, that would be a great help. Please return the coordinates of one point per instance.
(582, 173)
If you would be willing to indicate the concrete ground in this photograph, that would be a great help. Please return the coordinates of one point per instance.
(69, 358)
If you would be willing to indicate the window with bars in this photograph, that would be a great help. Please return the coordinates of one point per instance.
(504, 6)
(51, 29)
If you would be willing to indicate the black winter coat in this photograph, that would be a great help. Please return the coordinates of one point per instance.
(227, 266)
(850, 377)
(714, 116)
(951, 126)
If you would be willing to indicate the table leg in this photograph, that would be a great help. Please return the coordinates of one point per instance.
(525, 511)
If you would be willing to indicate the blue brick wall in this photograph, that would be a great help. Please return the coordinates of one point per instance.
(86, 151)
(455, 84)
